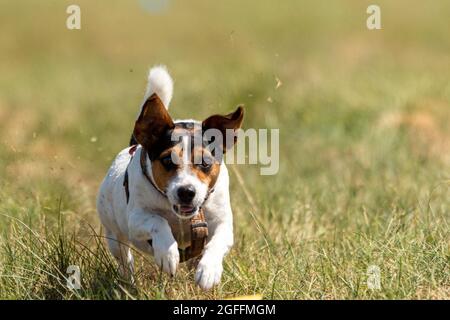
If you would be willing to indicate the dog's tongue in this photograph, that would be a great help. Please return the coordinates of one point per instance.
(186, 209)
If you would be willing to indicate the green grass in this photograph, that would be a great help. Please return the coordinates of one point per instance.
(364, 142)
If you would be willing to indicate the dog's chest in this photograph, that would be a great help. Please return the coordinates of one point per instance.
(181, 230)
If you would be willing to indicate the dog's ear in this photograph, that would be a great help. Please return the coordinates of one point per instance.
(152, 123)
(231, 121)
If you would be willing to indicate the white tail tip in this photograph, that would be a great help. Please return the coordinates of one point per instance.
(161, 83)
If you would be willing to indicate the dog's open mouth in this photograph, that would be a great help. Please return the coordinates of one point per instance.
(184, 211)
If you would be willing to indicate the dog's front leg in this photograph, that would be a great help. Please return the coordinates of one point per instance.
(209, 270)
(143, 226)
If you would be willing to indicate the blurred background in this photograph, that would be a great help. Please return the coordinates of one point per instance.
(363, 116)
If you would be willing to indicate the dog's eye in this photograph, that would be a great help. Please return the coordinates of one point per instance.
(206, 164)
(167, 162)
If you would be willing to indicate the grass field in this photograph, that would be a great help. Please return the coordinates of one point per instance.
(364, 142)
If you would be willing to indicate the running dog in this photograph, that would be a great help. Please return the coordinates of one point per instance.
(158, 199)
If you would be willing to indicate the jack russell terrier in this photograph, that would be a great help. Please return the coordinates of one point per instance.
(158, 199)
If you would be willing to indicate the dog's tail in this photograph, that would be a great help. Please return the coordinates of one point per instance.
(161, 83)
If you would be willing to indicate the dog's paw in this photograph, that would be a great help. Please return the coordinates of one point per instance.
(166, 256)
(208, 273)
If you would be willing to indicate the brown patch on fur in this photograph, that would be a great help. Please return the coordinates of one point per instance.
(231, 121)
(209, 177)
(160, 173)
(152, 123)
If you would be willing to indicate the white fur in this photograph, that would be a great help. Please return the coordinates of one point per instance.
(161, 83)
(148, 214)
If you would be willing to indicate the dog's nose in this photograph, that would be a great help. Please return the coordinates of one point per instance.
(186, 193)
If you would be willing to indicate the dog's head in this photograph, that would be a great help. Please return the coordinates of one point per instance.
(183, 165)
